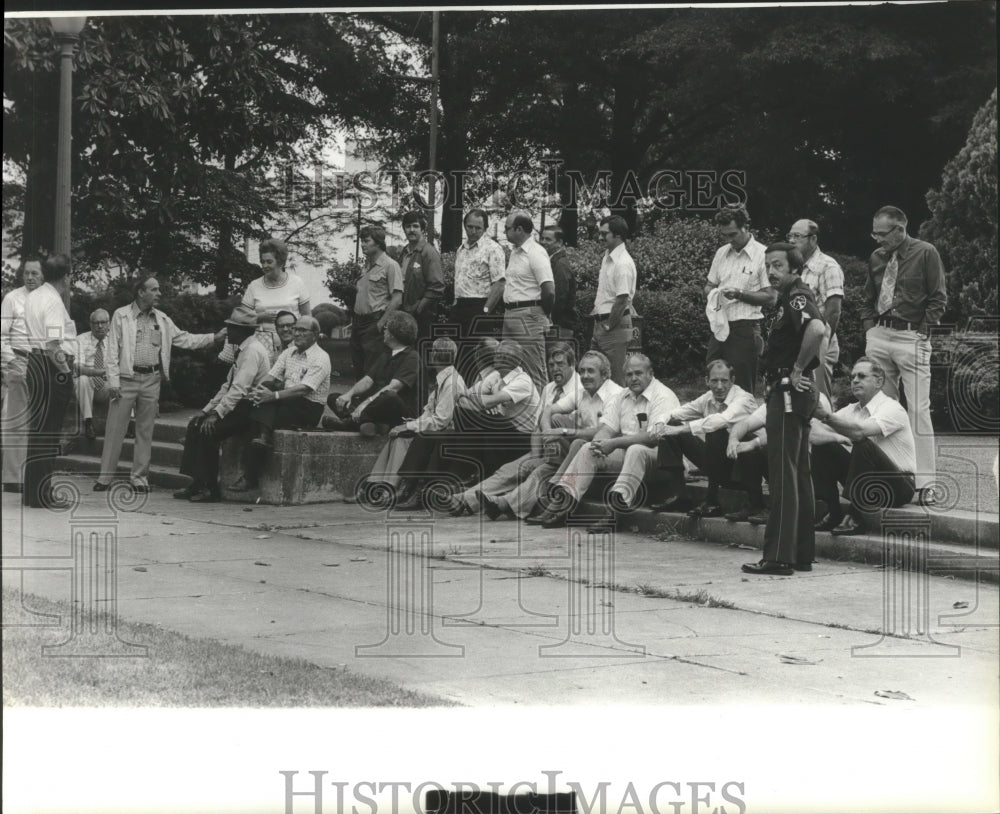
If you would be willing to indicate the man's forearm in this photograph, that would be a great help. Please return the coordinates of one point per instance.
(844, 427)
(617, 311)
(831, 311)
(810, 343)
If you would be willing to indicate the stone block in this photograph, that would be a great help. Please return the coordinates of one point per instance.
(305, 467)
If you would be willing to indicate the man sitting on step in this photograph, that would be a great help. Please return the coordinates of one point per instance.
(878, 472)
(91, 374)
(292, 395)
(228, 413)
(699, 430)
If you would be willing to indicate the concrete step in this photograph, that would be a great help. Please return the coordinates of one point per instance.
(159, 476)
(164, 454)
(911, 550)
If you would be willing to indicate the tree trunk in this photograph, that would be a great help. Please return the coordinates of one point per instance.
(623, 147)
(223, 255)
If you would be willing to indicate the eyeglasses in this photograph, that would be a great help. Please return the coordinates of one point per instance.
(796, 236)
(302, 330)
(880, 235)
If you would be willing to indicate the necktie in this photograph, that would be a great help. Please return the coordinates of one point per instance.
(99, 381)
(888, 292)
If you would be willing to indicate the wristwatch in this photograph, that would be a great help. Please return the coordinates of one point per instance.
(565, 431)
(486, 309)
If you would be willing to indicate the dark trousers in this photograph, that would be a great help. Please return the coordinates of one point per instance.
(386, 408)
(49, 391)
(200, 459)
(872, 478)
(830, 463)
(789, 536)
(473, 326)
(751, 472)
(708, 455)
(366, 342)
(293, 413)
(741, 349)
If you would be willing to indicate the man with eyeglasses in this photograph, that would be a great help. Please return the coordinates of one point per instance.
(738, 272)
(878, 471)
(91, 375)
(823, 275)
(904, 295)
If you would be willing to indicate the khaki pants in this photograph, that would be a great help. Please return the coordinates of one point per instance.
(632, 464)
(141, 393)
(15, 421)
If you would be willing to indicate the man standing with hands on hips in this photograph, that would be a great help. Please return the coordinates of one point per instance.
(615, 292)
(904, 296)
(792, 348)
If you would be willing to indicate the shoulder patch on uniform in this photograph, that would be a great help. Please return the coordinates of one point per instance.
(798, 302)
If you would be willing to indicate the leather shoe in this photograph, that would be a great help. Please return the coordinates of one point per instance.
(760, 518)
(490, 507)
(242, 485)
(88, 429)
(551, 520)
(370, 429)
(141, 488)
(101, 487)
(460, 510)
(768, 567)
(411, 503)
(678, 503)
(848, 526)
(739, 517)
(803, 566)
(927, 496)
(706, 509)
(539, 519)
(186, 492)
(263, 440)
(828, 523)
(205, 496)
(130, 432)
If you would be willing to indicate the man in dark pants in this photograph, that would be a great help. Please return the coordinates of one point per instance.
(292, 394)
(52, 337)
(699, 430)
(883, 456)
(479, 282)
(380, 292)
(792, 348)
(563, 315)
(738, 271)
(228, 413)
(423, 280)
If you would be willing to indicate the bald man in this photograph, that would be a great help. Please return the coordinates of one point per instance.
(825, 277)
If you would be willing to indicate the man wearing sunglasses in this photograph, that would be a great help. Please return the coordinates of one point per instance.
(904, 296)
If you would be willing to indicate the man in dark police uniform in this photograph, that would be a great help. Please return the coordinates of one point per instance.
(792, 348)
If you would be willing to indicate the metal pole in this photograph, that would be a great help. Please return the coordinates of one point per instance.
(357, 235)
(432, 152)
(66, 48)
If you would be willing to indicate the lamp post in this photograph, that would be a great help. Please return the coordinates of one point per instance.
(67, 31)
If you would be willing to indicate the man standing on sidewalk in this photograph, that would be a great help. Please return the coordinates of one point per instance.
(825, 277)
(792, 347)
(138, 360)
(423, 280)
(528, 295)
(615, 291)
(738, 271)
(904, 296)
(564, 309)
(52, 337)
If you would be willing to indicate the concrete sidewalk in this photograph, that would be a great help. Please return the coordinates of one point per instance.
(504, 613)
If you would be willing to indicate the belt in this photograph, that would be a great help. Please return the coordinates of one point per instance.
(522, 304)
(898, 324)
(774, 377)
(145, 368)
(602, 317)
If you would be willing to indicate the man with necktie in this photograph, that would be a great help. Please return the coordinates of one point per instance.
(91, 374)
(904, 295)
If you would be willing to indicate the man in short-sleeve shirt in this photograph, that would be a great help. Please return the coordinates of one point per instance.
(738, 272)
(379, 293)
(423, 280)
(612, 312)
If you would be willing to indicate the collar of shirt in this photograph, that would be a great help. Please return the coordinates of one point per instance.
(512, 375)
(557, 253)
(246, 343)
(647, 394)
(307, 352)
(816, 261)
(524, 247)
(407, 250)
(873, 406)
(616, 252)
(378, 261)
(398, 351)
(444, 374)
(471, 247)
(136, 312)
(607, 390)
(749, 248)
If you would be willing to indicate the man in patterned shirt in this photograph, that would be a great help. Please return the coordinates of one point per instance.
(738, 270)
(479, 283)
(825, 277)
(293, 394)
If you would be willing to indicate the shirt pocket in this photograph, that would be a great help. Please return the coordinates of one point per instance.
(155, 336)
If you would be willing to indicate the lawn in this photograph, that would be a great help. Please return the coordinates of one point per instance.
(180, 671)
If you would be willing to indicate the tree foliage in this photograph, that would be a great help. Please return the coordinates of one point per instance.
(963, 225)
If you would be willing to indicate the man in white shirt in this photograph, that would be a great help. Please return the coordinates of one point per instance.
(699, 430)
(738, 272)
(623, 444)
(52, 337)
(823, 275)
(479, 284)
(91, 372)
(138, 360)
(612, 312)
(228, 412)
(14, 351)
(883, 457)
(528, 295)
